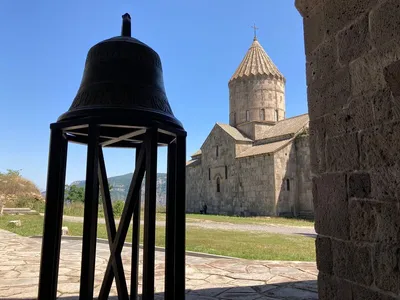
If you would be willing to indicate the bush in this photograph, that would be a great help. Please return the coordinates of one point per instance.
(118, 207)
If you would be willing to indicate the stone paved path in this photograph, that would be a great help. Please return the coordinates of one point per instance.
(206, 278)
(281, 229)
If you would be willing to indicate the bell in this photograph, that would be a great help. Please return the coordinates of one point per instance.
(122, 78)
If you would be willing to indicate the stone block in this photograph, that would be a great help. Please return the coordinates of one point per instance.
(342, 153)
(327, 96)
(339, 14)
(306, 6)
(331, 205)
(324, 254)
(317, 145)
(385, 22)
(373, 221)
(352, 261)
(313, 23)
(359, 185)
(363, 293)
(386, 267)
(366, 74)
(353, 41)
(380, 145)
(333, 288)
(322, 63)
(383, 104)
(385, 182)
(14, 223)
(392, 77)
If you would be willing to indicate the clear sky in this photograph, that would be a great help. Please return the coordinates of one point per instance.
(201, 43)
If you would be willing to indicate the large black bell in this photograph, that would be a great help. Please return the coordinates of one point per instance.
(122, 76)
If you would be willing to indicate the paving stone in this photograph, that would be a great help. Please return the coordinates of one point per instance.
(206, 278)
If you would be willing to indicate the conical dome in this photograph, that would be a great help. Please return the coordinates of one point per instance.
(256, 62)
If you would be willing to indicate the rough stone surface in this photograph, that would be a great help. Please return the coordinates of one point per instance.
(353, 92)
(206, 277)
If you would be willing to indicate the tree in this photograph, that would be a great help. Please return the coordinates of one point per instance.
(74, 193)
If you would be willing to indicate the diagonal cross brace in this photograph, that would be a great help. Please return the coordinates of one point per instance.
(123, 227)
(117, 266)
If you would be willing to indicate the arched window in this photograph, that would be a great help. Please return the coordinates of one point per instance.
(288, 184)
(262, 114)
(218, 185)
(226, 172)
(247, 115)
(216, 151)
(276, 115)
(209, 174)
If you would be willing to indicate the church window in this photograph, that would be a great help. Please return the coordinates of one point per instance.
(209, 174)
(262, 114)
(288, 184)
(226, 172)
(218, 185)
(216, 151)
(247, 115)
(276, 115)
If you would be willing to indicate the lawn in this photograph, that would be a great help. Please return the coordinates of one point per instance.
(76, 209)
(260, 246)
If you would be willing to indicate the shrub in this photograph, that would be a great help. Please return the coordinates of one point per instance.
(118, 207)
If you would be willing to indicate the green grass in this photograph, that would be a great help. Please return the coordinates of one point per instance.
(250, 220)
(76, 209)
(262, 246)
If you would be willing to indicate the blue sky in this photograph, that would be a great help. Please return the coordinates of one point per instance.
(44, 47)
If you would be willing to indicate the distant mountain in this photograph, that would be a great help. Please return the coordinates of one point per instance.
(120, 186)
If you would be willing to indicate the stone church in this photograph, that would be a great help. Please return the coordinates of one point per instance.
(259, 164)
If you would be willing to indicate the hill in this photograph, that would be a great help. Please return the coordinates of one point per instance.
(121, 184)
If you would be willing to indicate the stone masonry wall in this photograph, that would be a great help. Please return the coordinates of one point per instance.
(353, 77)
(285, 169)
(253, 94)
(194, 187)
(255, 192)
(304, 205)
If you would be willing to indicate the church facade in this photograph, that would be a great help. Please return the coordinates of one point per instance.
(259, 164)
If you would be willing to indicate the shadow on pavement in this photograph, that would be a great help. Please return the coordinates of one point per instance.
(297, 290)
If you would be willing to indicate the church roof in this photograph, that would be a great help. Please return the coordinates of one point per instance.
(233, 132)
(256, 62)
(197, 153)
(263, 149)
(286, 127)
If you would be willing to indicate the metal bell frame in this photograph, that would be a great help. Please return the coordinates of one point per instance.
(143, 130)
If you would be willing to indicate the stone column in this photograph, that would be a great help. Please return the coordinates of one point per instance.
(353, 78)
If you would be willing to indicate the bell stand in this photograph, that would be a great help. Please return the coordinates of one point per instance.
(97, 133)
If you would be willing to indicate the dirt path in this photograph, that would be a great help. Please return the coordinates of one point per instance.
(280, 229)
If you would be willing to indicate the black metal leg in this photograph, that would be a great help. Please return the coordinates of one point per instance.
(118, 269)
(123, 224)
(53, 216)
(170, 224)
(90, 216)
(180, 218)
(135, 241)
(150, 215)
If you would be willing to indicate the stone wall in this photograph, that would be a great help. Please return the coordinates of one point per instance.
(255, 186)
(253, 94)
(353, 52)
(285, 170)
(304, 205)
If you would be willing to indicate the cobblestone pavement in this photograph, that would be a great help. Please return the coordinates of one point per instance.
(207, 278)
(281, 229)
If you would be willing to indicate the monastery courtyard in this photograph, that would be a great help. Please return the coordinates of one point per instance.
(207, 277)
